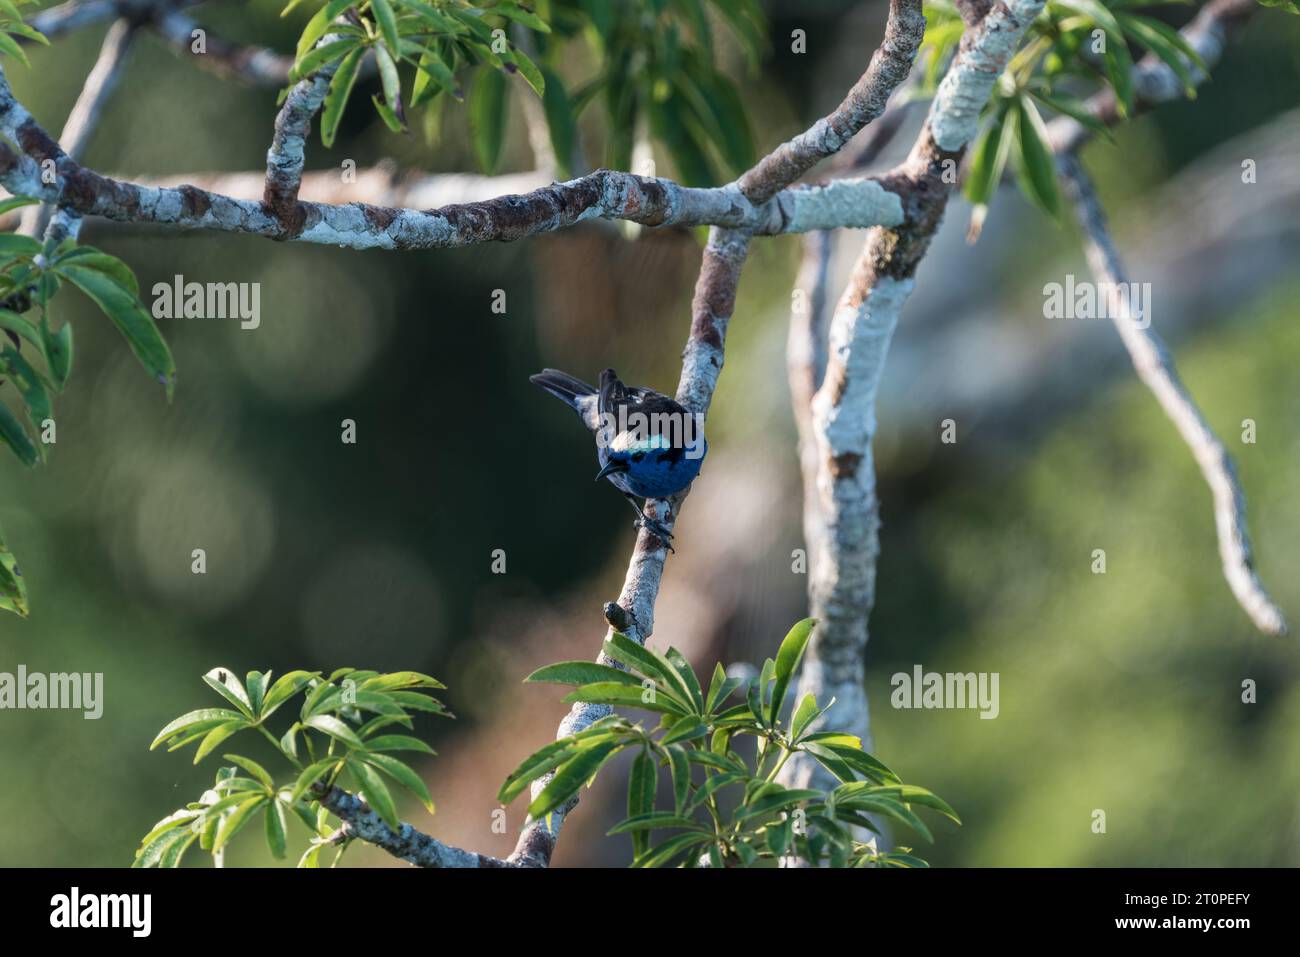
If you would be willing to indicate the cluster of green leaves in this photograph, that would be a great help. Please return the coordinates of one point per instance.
(724, 807)
(340, 735)
(11, 25)
(13, 590)
(1072, 49)
(655, 68)
(435, 39)
(35, 358)
(1290, 6)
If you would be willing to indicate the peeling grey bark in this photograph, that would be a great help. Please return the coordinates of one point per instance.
(842, 529)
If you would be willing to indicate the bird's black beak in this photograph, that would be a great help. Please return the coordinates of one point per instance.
(614, 465)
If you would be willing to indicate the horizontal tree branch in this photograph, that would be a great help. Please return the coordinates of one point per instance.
(605, 194)
(408, 843)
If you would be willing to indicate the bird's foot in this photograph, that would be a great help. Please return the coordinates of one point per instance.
(657, 529)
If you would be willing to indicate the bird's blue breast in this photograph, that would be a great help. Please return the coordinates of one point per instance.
(658, 475)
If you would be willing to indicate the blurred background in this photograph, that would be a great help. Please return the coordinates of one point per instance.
(1119, 691)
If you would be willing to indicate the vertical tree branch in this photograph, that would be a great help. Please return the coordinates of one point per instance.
(842, 531)
(633, 614)
(286, 157)
(86, 112)
(1155, 367)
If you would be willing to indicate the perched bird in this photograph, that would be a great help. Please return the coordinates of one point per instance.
(647, 444)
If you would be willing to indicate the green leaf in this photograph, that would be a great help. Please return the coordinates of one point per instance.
(1076, 109)
(24, 329)
(529, 71)
(640, 825)
(1168, 44)
(1037, 163)
(336, 100)
(392, 85)
(862, 762)
(16, 437)
(10, 46)
(310, 775)
(284, 688)
(387, 23)
(335, 728)
(16, 202)
(685, 730)
(487, 117)
(692, 684)
(403, 775)
(803, 716)
(685, 144)
(671, 848)
(523, 16)
(1119, 70)
(131, 318)
(989, 159)
(225, 683)
(16, 245)
(206, 716)
(396, 680)
(681, 768)
(581, 673)
(535, 765)
(30, 386)
(236, 819)
(253, 768)
(58, 353)
(641, 787)
(612, 693)
(320, 56)
(787, 660)
(319, 25)
(376, 792)
(398, 742)
(432, 68)
(571, 776)
(218, 734)
(275, 829)
(13, 590)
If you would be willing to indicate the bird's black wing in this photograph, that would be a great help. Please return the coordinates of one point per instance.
(613, 392)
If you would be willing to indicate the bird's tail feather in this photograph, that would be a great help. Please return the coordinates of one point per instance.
(562, 385)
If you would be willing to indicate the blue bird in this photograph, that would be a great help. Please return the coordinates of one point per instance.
(647, 444)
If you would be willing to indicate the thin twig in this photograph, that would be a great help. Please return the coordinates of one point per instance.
(86, 112)
(1155, 367)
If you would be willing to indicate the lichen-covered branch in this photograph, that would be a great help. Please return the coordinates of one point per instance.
(407, 843)
(287, 154)
(841, 528)
(1155, 367)
(605, 194)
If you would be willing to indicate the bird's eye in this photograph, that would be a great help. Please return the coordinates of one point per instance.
(637, 457)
